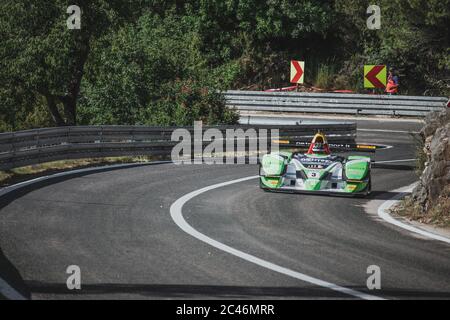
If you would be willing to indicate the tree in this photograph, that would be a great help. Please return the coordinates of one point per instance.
(152, 72)
(129, 59)
(414, 38)
(42, 58)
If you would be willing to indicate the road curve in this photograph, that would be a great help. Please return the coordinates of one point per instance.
(116, 225)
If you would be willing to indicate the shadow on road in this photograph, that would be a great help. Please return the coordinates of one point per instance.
(182, 291)
(400, 167)
(224, 292)
(383, 195)
(11, 275)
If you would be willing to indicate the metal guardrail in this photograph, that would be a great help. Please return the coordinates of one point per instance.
(334, 103)
(28, 147)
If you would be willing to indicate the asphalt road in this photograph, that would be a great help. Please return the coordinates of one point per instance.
(116, 226)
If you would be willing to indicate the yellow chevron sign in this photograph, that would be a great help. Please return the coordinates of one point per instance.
(375, 77)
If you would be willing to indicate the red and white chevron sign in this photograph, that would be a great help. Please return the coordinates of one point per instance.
(297, 71)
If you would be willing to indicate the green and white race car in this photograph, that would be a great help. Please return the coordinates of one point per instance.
(316, 171)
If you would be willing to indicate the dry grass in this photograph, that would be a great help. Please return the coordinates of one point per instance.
(421, 156)
(28, 172)
(438, 215)
(325, 76)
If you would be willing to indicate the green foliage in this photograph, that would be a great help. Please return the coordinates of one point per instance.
(414, 38)
(164, 61)
(186, 102)
(41, 58)
(145, 77)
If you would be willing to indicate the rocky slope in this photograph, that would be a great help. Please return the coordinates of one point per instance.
(430, 200)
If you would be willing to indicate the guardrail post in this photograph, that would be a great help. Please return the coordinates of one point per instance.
(37, 144)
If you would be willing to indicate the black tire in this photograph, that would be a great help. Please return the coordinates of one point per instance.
(369, 186)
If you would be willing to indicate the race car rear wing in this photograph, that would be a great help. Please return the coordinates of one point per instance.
(334, 146)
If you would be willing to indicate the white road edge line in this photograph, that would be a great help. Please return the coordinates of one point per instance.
(18, 185)
(395, 161)
(177, 216)
(388, 131)
(383, 146)
(383, 213)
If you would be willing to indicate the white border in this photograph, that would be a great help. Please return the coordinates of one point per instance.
(383, 213)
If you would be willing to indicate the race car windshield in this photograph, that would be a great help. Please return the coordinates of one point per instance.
(318, 148)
